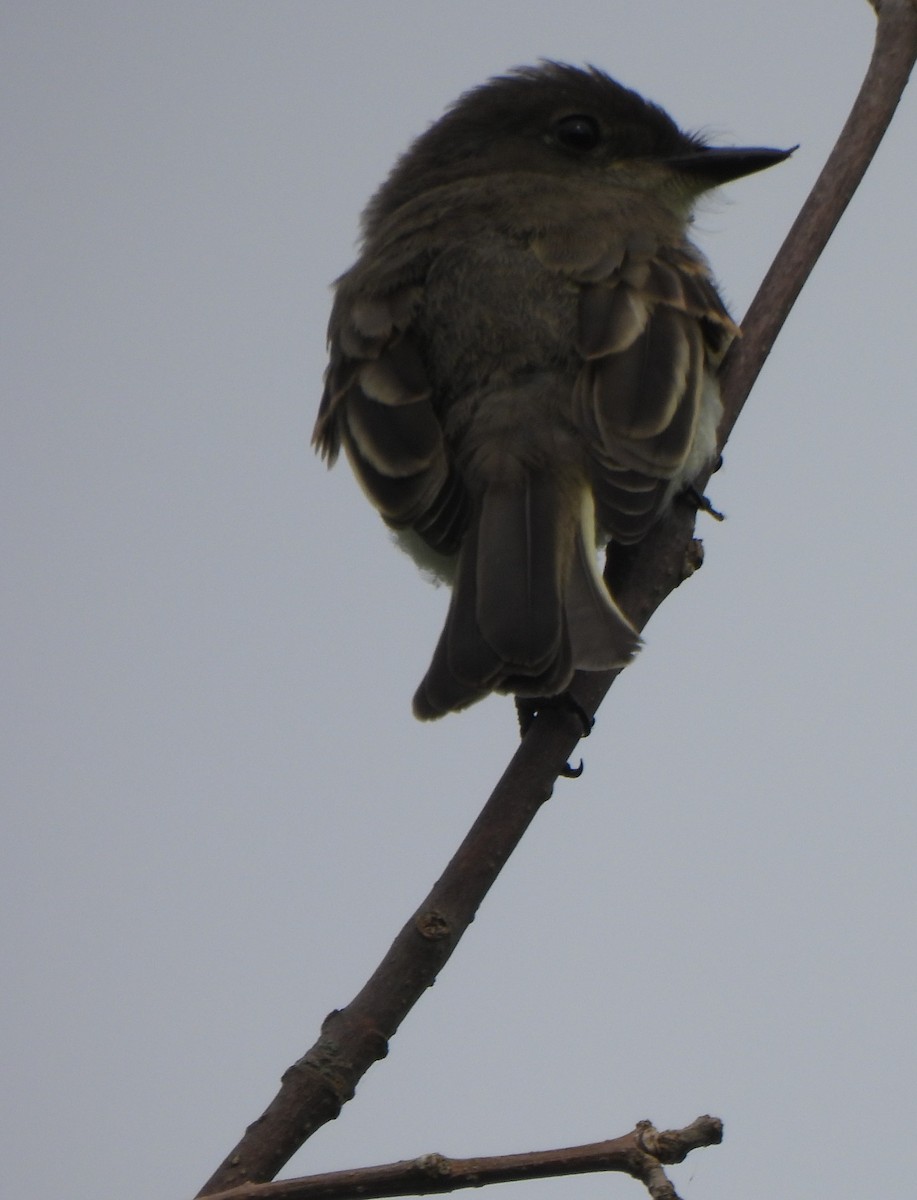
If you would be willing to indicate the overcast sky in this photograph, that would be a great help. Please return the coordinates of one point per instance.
(218, 807)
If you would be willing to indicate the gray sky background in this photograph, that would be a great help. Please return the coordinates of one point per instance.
(218, 809)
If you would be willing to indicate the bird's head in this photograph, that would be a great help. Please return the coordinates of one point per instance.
(560, 119)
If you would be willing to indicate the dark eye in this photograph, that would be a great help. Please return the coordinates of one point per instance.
(578, 132)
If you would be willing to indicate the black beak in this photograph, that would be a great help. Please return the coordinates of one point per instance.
(719, 164)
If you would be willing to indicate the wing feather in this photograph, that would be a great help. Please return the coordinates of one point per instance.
(378, 404)
(649, 333)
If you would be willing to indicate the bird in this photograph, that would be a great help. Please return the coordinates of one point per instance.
(522, 365)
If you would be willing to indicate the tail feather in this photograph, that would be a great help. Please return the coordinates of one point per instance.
(519, 574)
(601, 635)
(528, 605)
(464, 667)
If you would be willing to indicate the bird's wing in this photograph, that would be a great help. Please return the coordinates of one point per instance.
(378, 404)
(651, 326)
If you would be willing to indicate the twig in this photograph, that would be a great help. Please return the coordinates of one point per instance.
(352, 1039)
(641, 1154)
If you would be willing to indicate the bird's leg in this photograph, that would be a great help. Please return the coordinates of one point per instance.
(528, 707)
(691, 495)
(702, 503)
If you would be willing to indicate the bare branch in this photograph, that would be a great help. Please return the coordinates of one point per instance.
(641, 1154)
(315, 1088)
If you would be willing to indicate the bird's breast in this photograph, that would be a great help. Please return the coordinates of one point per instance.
(492, 314)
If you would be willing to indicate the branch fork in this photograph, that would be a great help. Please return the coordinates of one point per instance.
(642, 1153)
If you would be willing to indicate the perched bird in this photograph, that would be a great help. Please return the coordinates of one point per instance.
(522, 364)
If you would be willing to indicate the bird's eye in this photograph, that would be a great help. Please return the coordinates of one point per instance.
(578, 132)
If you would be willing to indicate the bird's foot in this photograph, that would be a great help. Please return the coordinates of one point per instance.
(528, 708)
(702, 503)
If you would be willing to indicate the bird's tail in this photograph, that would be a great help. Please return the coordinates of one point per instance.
(528, 604)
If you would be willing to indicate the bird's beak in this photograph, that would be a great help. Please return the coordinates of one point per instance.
(720, 164)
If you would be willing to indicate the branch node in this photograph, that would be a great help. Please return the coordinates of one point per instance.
(432, 925)
(670, 1146)
(434, 1166)
(674, 1145)
(694, 558)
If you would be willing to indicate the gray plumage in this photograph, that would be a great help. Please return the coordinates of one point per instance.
(523, 364)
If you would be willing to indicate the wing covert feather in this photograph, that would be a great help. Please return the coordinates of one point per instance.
(379, 405)
(649, 332)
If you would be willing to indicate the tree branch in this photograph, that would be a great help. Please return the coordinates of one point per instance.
(352, 1039)
(641, 1154)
